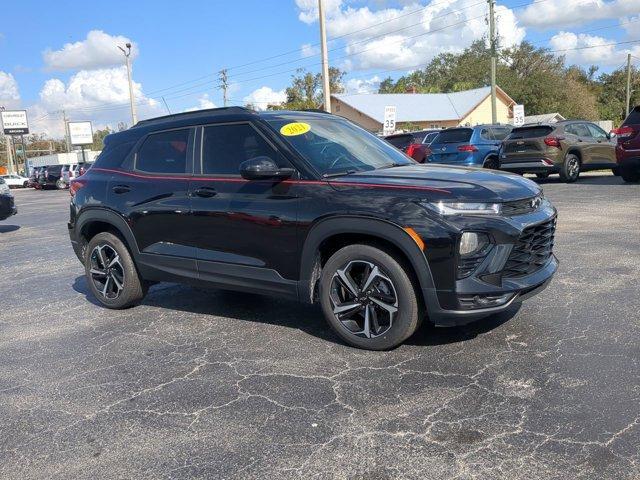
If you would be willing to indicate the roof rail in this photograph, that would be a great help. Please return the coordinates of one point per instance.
(176, 116)
(314, 110)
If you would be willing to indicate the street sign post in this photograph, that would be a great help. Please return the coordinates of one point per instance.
(518, 115)
(14, 122)
(389, 126)
(81, 134)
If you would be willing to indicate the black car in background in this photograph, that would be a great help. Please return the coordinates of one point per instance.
(7, 205)
(52, 177)
(311, 207)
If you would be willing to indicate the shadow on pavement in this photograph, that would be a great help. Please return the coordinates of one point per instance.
(276, 311)
(9, 228)
(603, 179)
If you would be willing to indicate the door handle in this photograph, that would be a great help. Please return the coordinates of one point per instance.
(121, 189)
(205, 192)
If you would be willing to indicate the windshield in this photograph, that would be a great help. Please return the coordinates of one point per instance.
(334, 146)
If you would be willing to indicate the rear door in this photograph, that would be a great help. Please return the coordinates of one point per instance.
(604, 149)
(585, 142)
(244, 230)
(444, 148)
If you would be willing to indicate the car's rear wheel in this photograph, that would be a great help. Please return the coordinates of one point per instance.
(630, 175)
(25, 184)
(368, 298)
(111, 272)
(60, 185)
(570, 169)
(492, 163)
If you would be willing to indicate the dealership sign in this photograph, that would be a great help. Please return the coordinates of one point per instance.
(80, 133)
(14, 122)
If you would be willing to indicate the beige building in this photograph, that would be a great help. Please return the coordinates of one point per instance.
(423, 110)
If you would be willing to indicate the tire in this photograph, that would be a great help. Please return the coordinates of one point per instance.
(542, 175)
(570, 169)
(616, 171)
(25, 184)
(630, 175)
(389, 288)
(60, 185)
(122, 273)
(492, 163)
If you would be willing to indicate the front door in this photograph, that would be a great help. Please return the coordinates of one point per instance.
(245, 229)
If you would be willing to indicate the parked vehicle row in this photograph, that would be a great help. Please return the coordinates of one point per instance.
(56, 176)
(566, 148)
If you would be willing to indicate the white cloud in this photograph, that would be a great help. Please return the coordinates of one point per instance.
(410, 35)
(204, 102)
(8, 87)
(355, 85)
(98, 50)
(308, 50)
(261, 98)
(101, 96)
(590, 49)
(563, 13)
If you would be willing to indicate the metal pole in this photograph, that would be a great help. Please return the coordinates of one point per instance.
(492, 40)
(134, 115)
(24, 154)
(325, 60)
(9, 153)
(66, 131)
(628, 83)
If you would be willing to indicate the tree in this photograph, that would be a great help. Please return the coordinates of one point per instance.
(306, 92)
(98, 138)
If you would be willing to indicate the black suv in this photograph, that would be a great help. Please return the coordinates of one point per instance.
(52, 177)
(312, 207)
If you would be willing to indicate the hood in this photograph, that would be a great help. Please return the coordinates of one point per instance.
(444, 182)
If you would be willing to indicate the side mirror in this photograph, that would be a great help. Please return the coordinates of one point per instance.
(263, 168)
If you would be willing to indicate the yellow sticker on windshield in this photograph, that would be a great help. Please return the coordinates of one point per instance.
(293, 129)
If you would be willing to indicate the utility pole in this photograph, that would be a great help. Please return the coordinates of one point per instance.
(127, 56)
(492, 40)
(67, 140)
(7, 144)
(224, 86)
(326, 89)
(628, 83)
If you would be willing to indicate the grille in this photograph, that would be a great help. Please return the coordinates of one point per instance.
(532, 251)
(520, 207)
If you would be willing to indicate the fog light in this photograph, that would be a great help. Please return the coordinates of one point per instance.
(472, 242)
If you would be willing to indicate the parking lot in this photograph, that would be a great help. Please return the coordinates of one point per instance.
(216, 384)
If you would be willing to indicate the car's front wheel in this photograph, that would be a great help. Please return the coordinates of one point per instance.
(368, 298)
(111, 272)
(570, 170)
(492, 163)
(629, 174)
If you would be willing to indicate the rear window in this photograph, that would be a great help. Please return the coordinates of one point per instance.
(400, 141)
(455, 135)
(633, 118)
(530, 132)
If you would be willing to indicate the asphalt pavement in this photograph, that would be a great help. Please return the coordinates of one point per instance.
(214, 384)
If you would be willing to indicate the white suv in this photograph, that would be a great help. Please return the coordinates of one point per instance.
(16, 181)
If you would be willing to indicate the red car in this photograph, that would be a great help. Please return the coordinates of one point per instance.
(628, 147)
(414, 144)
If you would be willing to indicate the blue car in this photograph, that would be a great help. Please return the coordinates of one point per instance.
(469, 146)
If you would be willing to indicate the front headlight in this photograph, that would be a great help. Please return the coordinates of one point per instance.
(465, 208)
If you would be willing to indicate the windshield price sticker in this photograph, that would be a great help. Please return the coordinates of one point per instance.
(293, 129)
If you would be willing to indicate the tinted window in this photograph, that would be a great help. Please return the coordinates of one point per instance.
(633, 118)
(485, 134)
(400, 141)
(529, 132)
(454, 135)
(500, 133)
(578, 129)
(164, 152)
(53, 169)
(225, 147)
(596, 131)
(113, 155)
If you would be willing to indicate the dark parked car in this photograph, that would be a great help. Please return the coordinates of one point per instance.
(308, 206)
(51, 177)
(33, 178)
(7, 205)
(628, 147)
(414, 144)
(567, 147)
(469, 146)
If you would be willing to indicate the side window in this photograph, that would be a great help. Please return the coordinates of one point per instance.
(225, 147)
(164, 152)
(113, 156)
(596, 132)
(485, 134)
(581, 130)
(500, 133)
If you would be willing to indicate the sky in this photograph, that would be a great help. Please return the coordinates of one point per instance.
(64, 55)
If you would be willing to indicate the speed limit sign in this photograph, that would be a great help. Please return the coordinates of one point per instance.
(389, 125)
